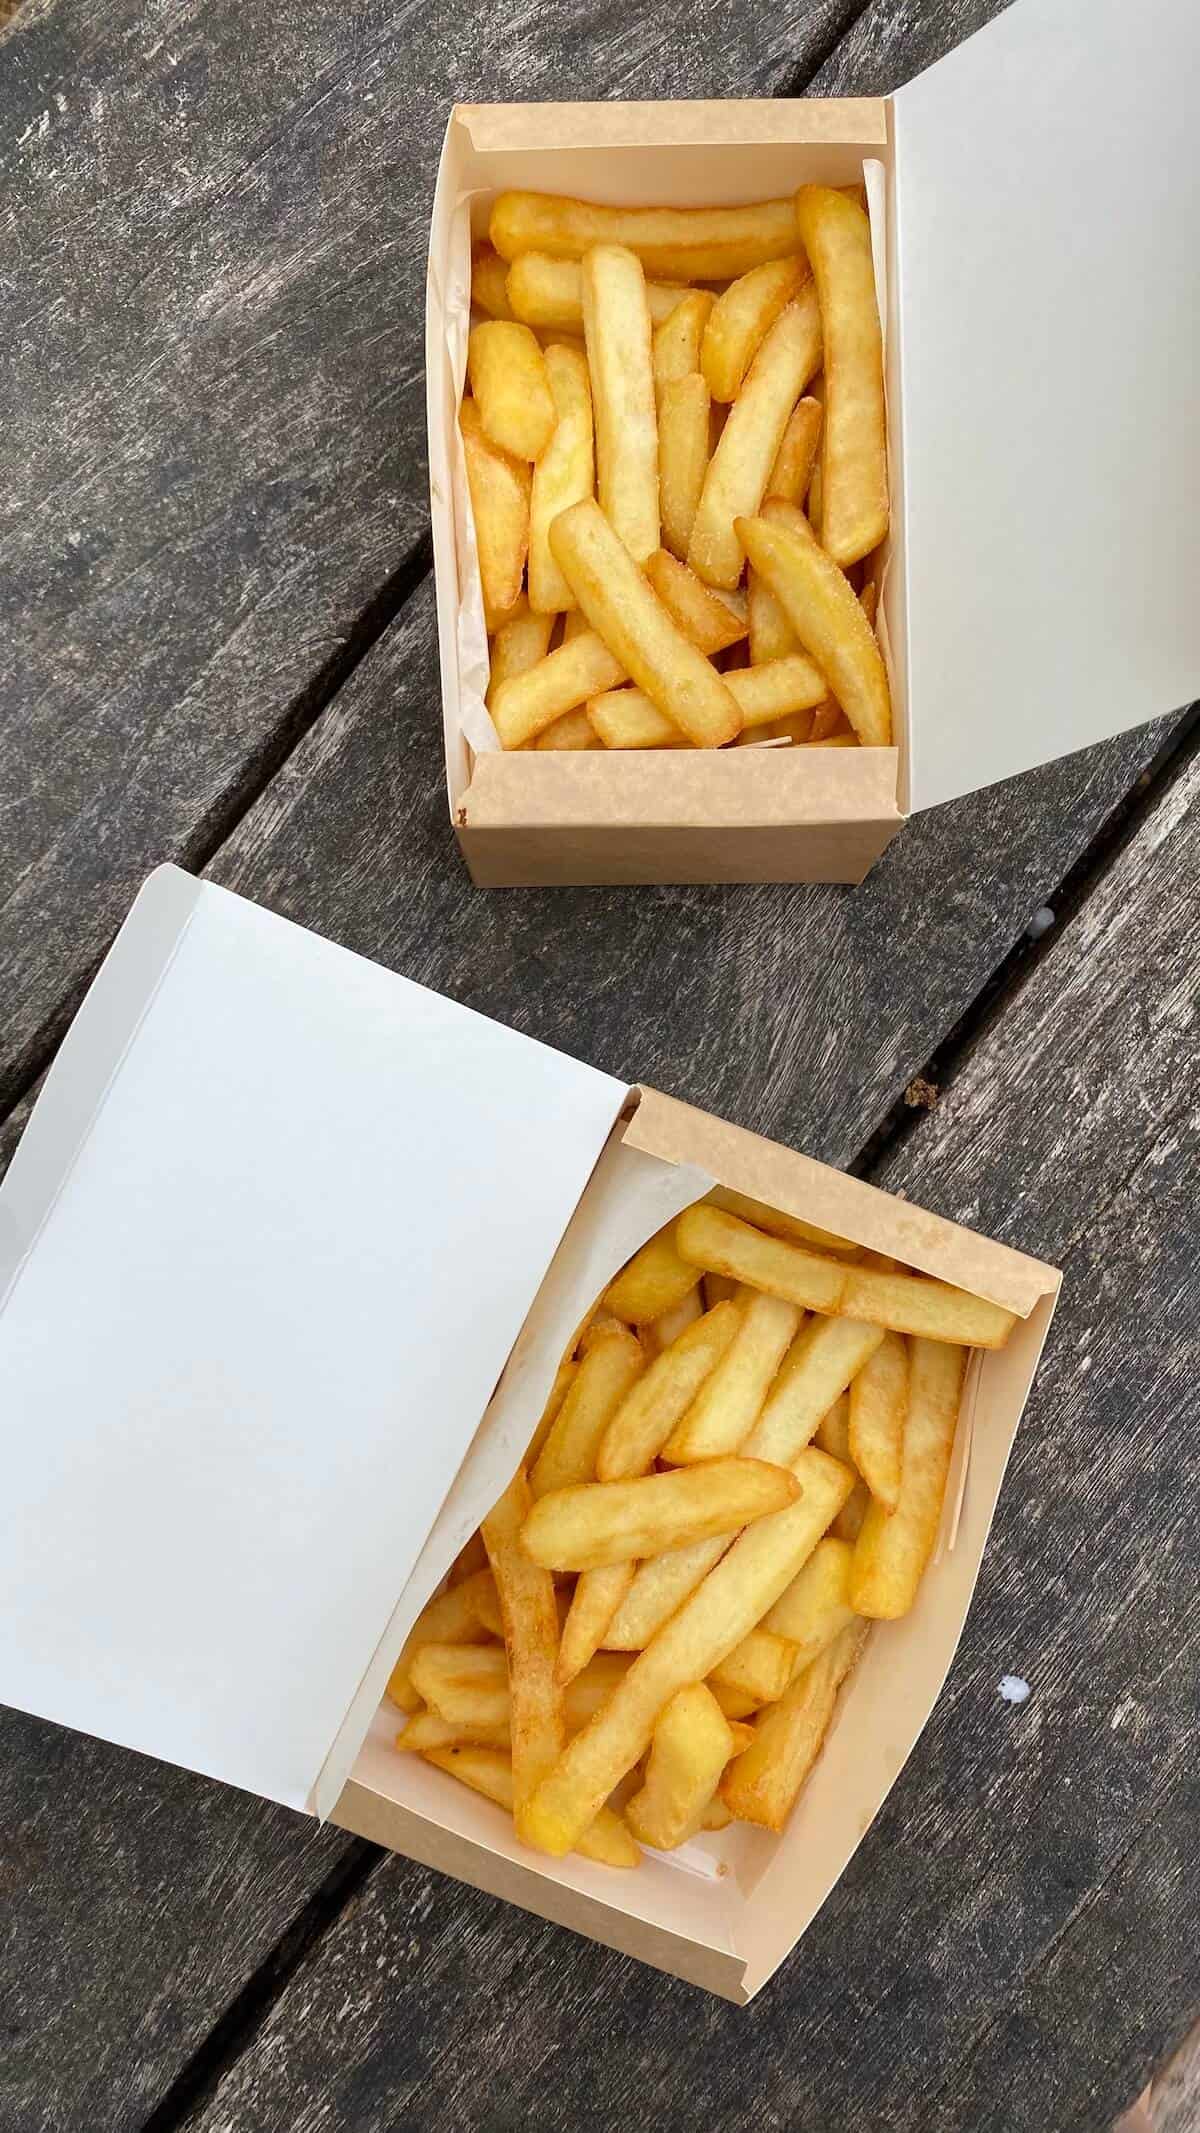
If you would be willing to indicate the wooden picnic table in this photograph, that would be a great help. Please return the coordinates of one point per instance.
(216, 641)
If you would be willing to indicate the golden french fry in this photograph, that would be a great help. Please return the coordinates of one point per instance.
(711, 619)
(833, 1431)
(526, 704)
(572, 732)
(482, 1708)
(736, 481)
(825, 615)
(633, 622)
(816, 1605)
(778, 1224)
(736, 1705)
(530, 1613)
(594, 1523)
(614, 1359)
(653, 1281)
(894, 1547)
(825, 1357)
(489, 275)
(489, 1771)
(721, 1244)
(675, 349)
(548, 293)
(849, 1522)
(594, 1602)
(682, 244)
(771, 634)
(683, 455)
(797, 454)
(626, 718)
(761, 1665)
(616, 325)
(729, 1402)
(564, 473)
(575, 624)
(425, 1730)
(854, 486)
(463, 1682)
(507, 372)
(499, 487)
(762, 1784)
(878, 1405)
(776, 689)
(518, 644)
(461, 1615)
(593, 1686)
(734, 1596)
(660, 1332)
(650, 1410)
(812, 505)
(660, 1586)
(563, 1379)
(742, 317)
(692, 1744)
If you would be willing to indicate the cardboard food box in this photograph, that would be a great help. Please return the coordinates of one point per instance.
(289, 1252)
(1032, 199)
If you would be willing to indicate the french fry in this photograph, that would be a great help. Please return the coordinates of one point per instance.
(518, 645)
(659, 1587)
(812, 505)
(573, 732)
(499, 487)
(595, 1523)
(564, 473)
(660, 1332)
(734, 1596)
(681, 244)
(675, 349)
(594, 1602)
(797, 454)
(489, 1771)
(612, 1362)
(893, 1548)
(736, 481)
(778, 1224)
(683, 456)
(526, 704)
(711, 619)
(854, 488)
(777, 688)
(721, 1244)
(653, 650)
(849, 1522)
(616, 325)
(507, 373)
(691, 1745)
(425, 1730)
(816, 1605)
(761, 1785)
(833, 1432)
(650, 1410)
(527, 1603)
(489, 276)
(463, 1682)
(548, 293)
(796, 727)
(761, 1665)
(455, 1616)
(563, 1378)
(729, 1402)
(878, 1405)
(654, 1281)
(736, 1705)
(575, 624)
(826, 617)
(626, 718)
(593, 1686)
(824, 1358)
(742, 317)
(771, 634)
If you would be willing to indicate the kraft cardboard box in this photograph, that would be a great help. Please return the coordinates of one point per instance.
(1034, 221)
(288, 1255)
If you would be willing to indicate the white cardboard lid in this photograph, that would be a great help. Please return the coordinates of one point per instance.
(270, 1235)
(1049, 305)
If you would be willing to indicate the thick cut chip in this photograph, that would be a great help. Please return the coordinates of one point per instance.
(653, 1281)
(594, 1602)
(507, 372)
(489, 1771)
(684, 444)
(713, 620)
(833, 1434)
(489, 277)
(728, 1405)
(893, 1547)
(778, 1224)
(651, 1409)
(675, 243)
(530, 1614)
(738, 471)
(425, 1730)
(463, 1682)
(548, 293)
(594, 1523)
(518, 644)
(692, 1743)
(797, 455)
(849, 1522)
(854, 485)
(771, 634)
(761, 1785)
(822, 1361)
(462, 1615)
(816, 1605)
(616, 325)
(563, 1378)
(761, 1665)
(660, 1586)
(653, 650)
(527, 703)
(660, 1332)
(878, 1405)
(499, 487)
(742, 317)
(572, 733)
(721, 1244)
(676, 346)
(564, 473)
(825, 614)
(614, 1359)
(626, 718)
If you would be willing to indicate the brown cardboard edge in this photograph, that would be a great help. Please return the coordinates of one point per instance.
(674, 123)
(367, 1813)
(815, 1192)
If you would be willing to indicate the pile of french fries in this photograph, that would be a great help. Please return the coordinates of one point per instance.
(676, 455)
(741, 1465)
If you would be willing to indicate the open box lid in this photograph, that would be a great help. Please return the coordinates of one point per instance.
(272, 1230)
(1048, 301)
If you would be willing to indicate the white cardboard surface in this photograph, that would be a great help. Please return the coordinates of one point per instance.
(267, 1190)
(1049, 304)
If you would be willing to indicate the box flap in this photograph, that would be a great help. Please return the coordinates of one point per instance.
(272, 1231)
(1049, 309)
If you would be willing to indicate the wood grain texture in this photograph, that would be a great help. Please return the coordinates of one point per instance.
(213, 225)
(1017, 1925)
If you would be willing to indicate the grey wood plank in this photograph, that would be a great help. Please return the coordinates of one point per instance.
(213, 225)
(1002, 1870)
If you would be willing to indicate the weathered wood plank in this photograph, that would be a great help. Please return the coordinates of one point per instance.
(213, 227)
(999, 1867)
